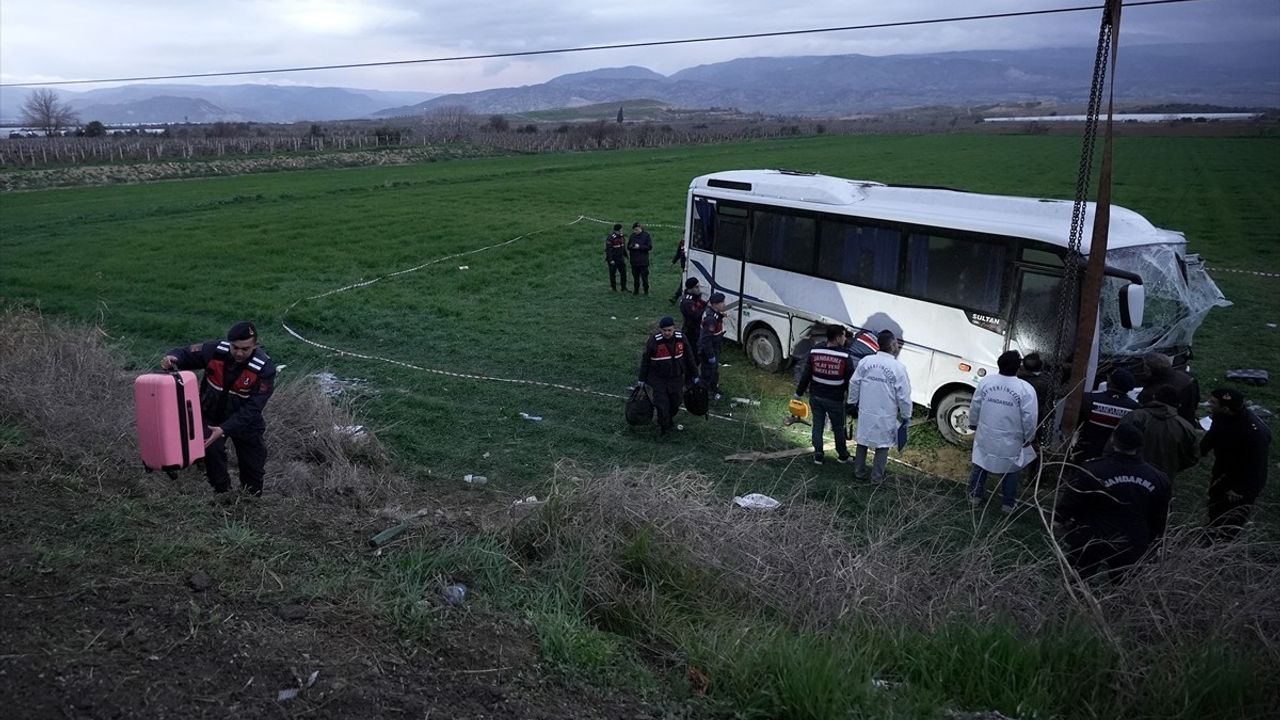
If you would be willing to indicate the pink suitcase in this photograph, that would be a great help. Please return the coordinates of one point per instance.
(170, 429)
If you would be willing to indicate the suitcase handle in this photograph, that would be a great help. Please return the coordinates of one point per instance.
(191, 422)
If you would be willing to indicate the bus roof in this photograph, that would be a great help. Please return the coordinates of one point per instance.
(1031, 218)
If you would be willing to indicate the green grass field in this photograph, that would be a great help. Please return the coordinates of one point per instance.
(169, 263)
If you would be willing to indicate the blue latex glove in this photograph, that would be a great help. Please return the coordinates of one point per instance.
(697, 380)
(902, 434)
(711, 361)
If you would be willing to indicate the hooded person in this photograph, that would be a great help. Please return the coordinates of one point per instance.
(239, 378)
(1003, 416)
(665, 365)
(1168, 441)
(882, 391)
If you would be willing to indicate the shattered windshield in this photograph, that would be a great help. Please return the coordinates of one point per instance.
(1175, 306)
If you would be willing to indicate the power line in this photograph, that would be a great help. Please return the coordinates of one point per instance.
(591, 48)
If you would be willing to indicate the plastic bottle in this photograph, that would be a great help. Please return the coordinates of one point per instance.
(474, 479)
(454, 594)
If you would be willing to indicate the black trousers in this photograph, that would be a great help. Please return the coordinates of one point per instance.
(639, 274)
(251, 458)
(668, 393)
(1092, 555)
(1227, 517)
(617, 269)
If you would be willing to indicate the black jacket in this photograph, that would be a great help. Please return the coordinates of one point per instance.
(826, 373)
(667, 358)
(1100, 413)
(691, 308)
(1183, 383)
(1240, 444)
(615, 248)
(1119, 498)
(711, 333)
(231, 396)
(639, 245)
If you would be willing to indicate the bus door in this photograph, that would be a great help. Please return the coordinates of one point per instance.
(1036, 319)
(728, 269)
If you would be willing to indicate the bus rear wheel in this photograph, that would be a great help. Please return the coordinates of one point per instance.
(763, 349)
(953, 417)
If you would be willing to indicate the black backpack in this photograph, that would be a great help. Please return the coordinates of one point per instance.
(639, 407)
(697, 400)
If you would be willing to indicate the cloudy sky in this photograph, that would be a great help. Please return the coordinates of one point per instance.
(47, 40)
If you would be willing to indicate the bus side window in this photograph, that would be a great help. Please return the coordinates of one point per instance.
(956, 271)
(703, 224)
(863, 255)
(783, 241)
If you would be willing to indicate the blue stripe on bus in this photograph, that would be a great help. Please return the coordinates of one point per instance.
(714, 287)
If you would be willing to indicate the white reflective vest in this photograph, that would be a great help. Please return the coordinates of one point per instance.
(1005, 415)
(882, 390)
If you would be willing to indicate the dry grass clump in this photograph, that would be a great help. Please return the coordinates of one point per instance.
(651, 530)
(63, 388)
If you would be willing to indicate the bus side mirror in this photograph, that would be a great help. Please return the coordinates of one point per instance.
(1132, 300)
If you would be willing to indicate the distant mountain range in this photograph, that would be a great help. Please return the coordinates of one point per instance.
(1241, 74)
(212, 103)
(1236, 74)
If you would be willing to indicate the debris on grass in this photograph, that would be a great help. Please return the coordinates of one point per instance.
(388, 535)
(471, 479)
(756, 501)
(1249, 376)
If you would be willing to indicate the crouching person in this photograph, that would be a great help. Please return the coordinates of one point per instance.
(1114, 508)
(238, 380)
(666, 363)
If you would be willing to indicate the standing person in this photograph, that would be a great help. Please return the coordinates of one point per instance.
(691, 308)
(882, 391)
(1113, 508)
(1160, 371)
(680, 257)
(711, 342)
(665, 364)
(639, 246)
(239, 378)
(615, 256)
(826, 375)
(1100, 412)
(1003, 416)
(1033, 372)
(1168, 441)
(1239, 442)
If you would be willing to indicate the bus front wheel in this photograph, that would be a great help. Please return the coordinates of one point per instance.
(763, 349)
(953, 417)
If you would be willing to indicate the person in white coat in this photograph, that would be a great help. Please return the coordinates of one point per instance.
(1004, 417)
(882, 391)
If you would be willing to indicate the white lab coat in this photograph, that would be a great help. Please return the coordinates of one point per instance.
(1005, 415)
(882, 390)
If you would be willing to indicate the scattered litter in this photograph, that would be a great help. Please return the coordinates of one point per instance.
(333, 386)
(312, 680)
(1249, 376)
(153, 658)
(464, 267)
(532, 418)
(756, 501)
(531, 500)
(355, 432)
(635, 318)
(744, 401)
(282, 367)
(1206, 422)
(388, 535)
(879, 684)
(1270, 325)
(454, 594)
(287, 694)
(474, 479)
(613, 317)
(485, 455)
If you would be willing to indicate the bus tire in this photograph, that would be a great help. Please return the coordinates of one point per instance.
(953, 417)
(763, 349)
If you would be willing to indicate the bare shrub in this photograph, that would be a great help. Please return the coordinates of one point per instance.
(808, 564)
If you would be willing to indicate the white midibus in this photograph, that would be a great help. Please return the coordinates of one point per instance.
(959, 276)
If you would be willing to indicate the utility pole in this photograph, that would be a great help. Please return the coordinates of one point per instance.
(1091, 289)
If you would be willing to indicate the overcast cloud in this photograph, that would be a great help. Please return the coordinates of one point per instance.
(47, 40)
